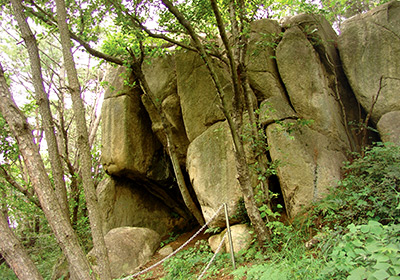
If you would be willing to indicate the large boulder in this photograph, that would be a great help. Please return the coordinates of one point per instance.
(275, 108)
(309, 163)
(262, 71)
(370, 50)
(171, 109)
(241, 239)
(320, 34)
(197, 93)
(212, 170)
(128, 249)
(125, 153)
(309, 82)
(310, 157)
(124, 203)
(388, 127)
(161, 77)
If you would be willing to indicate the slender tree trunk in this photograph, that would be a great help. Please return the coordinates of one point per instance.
(15, 254)
(44, 105)
(58, 222)
(241, 162)
(100, 249)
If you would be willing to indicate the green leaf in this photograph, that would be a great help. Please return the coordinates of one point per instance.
(396, 269)
(381, 274)
(381, 258)
(373, 247)
(357, 274)
(352, 228)
(381, 266)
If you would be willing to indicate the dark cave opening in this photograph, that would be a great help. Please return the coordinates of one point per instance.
(275, 188)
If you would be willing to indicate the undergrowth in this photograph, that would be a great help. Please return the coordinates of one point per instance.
(353, 233)
(189, 263)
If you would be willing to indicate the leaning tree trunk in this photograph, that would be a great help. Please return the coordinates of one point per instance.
(241, 162)
(15, 254)
(100, 249)
(59, 224)
(188, 200)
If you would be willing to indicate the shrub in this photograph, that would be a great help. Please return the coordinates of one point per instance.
(370, 190)
(367, 251)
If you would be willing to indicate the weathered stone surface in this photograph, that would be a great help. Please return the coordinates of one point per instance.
(197, 93)
(262, 71)
(215, 240)
(172, 110)
(165, 251)
(129, 145)
(160, 76)
(305, 81)
(323, 39)
(122, 203)
(309, 163)
(370, 49)
(212, 170)
(308, 85)
(320, 34)
(389, 127)
(241, 239)
(115, 80)
(128, 248)
(275, 108)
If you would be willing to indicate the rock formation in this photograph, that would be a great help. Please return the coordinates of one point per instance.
(128, 248)
(300, 71)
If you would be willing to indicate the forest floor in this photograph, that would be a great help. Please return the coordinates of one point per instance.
(158, 272)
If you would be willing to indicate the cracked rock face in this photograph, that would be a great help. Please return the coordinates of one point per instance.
(295, 72)
(370, 50)
(310, 163)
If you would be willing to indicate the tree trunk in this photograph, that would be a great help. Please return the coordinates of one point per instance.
(100, 249)
(44, 105)
(15, 254)
(59, 224)
(241, 162)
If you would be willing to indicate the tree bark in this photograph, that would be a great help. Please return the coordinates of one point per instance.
(100, 249)
(15, 254)
(44, 105)
(59, 224)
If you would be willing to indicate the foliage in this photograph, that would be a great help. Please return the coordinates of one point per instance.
(285, 258)
(172, 237)
(370, 190)
(366, 251)
(8, 145)
(187, 264)
(241, 212)
(353, 241)
(370, 251)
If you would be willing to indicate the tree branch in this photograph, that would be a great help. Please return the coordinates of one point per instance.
(50, 20)
(4, 173)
